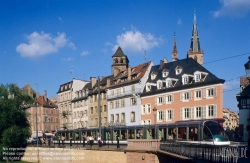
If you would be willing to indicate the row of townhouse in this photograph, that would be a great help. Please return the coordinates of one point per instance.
(178, 90)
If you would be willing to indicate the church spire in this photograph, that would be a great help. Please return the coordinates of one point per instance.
(175, 51)
(195, 44)
(195, 52)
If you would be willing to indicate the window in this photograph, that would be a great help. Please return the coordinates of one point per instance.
(92, 110)
(169, 83)
(178, 70)
(170, 114)
(133, 101)
(197, 77)
(211, 111)
(160, 100)
(123, 117)
(112, 118)
(170, 98)
(111, 105)
(122, 102)
(197, 94)
(186, 113)
(159, 84)
(185, 80)
(149, 121)
(117, 118)
(149, 109)
(105, 108)
(133, 88)
(132, 116)
(148, 87)
(117, 104)
(210, 92)
(143, 109)
(198, 112)
(243, 102)
(185, 96)
(161, 115)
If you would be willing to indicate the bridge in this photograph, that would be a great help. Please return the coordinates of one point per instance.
(155, 151)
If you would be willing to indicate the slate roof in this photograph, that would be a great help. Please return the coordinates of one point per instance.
(189, 66)
(119, 52)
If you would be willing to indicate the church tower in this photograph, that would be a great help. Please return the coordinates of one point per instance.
(120, 61)
(194, 51)
(175, 51)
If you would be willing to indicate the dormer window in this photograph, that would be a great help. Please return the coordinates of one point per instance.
(153, 75)
(165, 73)
(199, 76)
(159, 84)
(148, 87)
(187, 79)
(170, 82)
(178, 70)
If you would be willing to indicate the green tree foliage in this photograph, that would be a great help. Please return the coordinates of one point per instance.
(14, 126)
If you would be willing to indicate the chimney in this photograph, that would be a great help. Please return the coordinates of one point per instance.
(45, 95)
(129, 73)
(108, 82)
(161, 65)
(93, 81)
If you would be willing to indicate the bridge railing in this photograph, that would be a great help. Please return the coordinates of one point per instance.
(143, 144)
(205, 152)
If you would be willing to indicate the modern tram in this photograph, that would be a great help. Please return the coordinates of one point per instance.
(196, 131)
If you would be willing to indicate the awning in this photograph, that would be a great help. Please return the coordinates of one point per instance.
(39, 135)
(49, 134)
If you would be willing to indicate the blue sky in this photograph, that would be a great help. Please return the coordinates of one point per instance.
(43, 41)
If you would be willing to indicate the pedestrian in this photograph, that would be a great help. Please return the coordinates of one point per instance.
(83, 141)
(99, 140)
(62, 138)
(88, 140)
(117, 139)
(59, 139)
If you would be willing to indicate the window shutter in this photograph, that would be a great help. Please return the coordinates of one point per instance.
(172, 98)
(157, 116)
(192, 113)
(181, 116)
(164, 115)
(180, 96)
(155, 100)
(204, 93)
(190, 95)
(215, 111)
(214, 89)
(172, 113)
(164, 99)
(204, 112)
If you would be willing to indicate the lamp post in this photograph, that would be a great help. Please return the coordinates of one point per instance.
(155, 113)
(247, 69)
(37, 134)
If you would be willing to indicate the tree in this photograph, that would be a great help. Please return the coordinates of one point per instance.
(14, 126)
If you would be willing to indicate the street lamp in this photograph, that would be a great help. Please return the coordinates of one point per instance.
(247, 69)
(155, 113)
(37, 134)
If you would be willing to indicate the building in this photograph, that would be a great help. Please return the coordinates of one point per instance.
(66, 93)
(30, 91)
(183, 89)
(231, 119)
(98, 112)
(124, 91)
(47, 114)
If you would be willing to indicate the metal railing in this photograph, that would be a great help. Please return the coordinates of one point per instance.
(126, 93)
(204, 152)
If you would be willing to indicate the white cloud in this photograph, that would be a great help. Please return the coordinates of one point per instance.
(135, 41)
(179, 22)
(231, 84)
(67, 59)
(40, 44)
(233, 8)
(84, 53)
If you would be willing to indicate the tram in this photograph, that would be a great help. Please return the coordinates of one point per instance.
(197, 131)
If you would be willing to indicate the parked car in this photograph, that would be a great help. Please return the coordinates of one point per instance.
(33, 140)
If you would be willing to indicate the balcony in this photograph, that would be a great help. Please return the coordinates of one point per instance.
(225, 116)
(127, 93)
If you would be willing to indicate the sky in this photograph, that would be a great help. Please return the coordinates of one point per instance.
(48, 42)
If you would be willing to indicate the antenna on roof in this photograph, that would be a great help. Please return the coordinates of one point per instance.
(71, 72)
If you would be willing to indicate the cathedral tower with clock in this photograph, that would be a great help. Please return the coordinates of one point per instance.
(195, 52)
